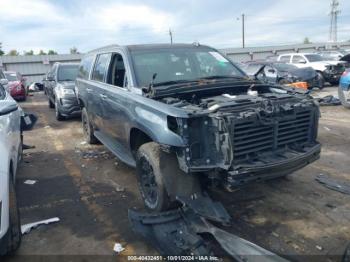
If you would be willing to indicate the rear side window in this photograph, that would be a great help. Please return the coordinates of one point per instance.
(85, 67)
(101, 67)
(285, 58)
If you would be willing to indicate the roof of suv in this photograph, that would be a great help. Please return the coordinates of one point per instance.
(148, 47)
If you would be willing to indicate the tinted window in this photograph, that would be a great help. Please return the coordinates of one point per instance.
(85, 67)
(100, 69)
(314, 58)
(285, 58)
(180, 64)
(2, 92)
(11, 76)
(116, 74)
(298, 59)
(67, 72)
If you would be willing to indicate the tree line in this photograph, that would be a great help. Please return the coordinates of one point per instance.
(14, 52)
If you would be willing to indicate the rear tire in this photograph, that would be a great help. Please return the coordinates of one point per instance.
(150, 178)
(88, 129)
(15, 234)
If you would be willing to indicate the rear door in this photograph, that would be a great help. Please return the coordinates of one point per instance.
(96, 90)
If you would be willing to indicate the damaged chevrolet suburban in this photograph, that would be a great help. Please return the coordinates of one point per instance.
(185, 116)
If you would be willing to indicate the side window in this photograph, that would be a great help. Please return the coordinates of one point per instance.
(85, 67)
(298, 59)
(285, 58)
(100, 69)
(116, 72)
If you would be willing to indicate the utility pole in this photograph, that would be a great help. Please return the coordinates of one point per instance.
(243, 31)
(333, 29)
(171, 36)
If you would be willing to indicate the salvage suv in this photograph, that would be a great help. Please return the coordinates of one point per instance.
(184, 116)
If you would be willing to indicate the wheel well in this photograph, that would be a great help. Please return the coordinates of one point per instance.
(137, 139)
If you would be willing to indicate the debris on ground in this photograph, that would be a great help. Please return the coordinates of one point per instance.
(329, 100)
(25, 229)
(333, 184)
(26, 147)
(319, 247)
(30, 182)
(180, 232)
(118, 248)
(327, 128)
(83, 143)
(46, 127)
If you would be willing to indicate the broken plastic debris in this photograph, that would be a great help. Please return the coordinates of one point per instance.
(25, 229)
(328, 129)
(46, 127)
(118, 248)
(30, 182)
(319, 247)
(83, 143)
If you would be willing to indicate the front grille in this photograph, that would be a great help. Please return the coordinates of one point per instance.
(251, 137)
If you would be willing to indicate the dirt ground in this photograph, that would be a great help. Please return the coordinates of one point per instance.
(91, 191)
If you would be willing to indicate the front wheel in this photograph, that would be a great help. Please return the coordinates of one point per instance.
(51, 105)
(58, 115)
(15, 235)
(151, 178)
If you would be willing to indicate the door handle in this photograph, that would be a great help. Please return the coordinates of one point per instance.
(104, 97)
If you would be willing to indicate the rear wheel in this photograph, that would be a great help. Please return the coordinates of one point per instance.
(15, 235)
(150, 177)
(88, 129)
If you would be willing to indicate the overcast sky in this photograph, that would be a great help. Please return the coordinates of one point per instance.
(87, 24)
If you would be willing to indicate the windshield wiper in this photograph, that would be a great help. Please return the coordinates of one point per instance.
(174, 82)
(221, 77)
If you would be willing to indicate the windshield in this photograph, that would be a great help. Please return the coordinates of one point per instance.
(11, 76)
(284, 67)
(314, 58)
(67, 73)
(181, 64)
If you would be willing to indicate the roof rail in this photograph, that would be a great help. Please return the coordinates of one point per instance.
(103, 48)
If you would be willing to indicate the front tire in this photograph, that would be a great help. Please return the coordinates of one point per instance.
(150, 177)
(51, 105)
(58, 115)
(88, 129)
(15, 234)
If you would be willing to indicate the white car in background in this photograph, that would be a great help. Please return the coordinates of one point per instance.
(12, 122)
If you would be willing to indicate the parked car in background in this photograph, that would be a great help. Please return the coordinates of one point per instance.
(328, 71)
(12, 123)
(332, 54)
(35, 86)
(344, 89)
(282, 73)
(16, 85)
(59, 88)
(184, 115)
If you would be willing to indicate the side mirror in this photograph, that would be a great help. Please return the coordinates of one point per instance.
(4, 81)
(28, 121)
(7, 107)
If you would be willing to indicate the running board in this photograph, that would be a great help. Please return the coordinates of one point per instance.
(116, 148)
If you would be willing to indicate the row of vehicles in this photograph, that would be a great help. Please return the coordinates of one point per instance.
(310, 68)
